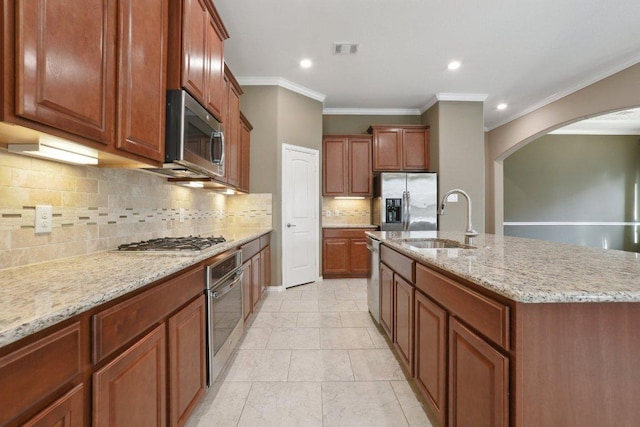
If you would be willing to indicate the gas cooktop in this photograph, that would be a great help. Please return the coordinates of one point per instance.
(172, 244)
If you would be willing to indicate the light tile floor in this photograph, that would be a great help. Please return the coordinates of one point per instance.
(312, 357)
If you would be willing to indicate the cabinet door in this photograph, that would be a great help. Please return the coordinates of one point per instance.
(256, 291)
(386, 299)
(403, 320)
(335, 256)
(232, 138)
(360, 257)
(387, 149)
(478, 380)
(187, 360)
(142, 63)
(245, 154)
(65, 73)
(66, 411)
(430, 365)
(194, 43)
(247, 300)
(214, 83)
(265, 265)
(334, 166)
(131, 390)
(415, 149)
(360, 180)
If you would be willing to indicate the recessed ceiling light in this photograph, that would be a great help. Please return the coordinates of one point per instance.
(305, 63)
(502, 106)
(454, 65)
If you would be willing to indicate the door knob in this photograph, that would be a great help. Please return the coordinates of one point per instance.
(289, 225)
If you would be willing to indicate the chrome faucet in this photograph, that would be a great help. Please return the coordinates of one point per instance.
(470, 233)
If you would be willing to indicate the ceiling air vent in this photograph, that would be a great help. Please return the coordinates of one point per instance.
(345, 48)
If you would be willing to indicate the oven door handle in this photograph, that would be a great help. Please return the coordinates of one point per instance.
(220, 293)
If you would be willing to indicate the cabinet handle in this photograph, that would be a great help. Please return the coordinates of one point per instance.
(289, 225)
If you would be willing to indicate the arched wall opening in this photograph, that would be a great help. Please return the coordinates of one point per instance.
(619, 91)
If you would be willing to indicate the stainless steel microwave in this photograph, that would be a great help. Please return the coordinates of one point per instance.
(194, 140)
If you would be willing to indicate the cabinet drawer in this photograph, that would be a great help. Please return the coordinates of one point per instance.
(265, 240)
(116, 326)
(250, 249)
(488, 317)
(399, 263)
(35, 372)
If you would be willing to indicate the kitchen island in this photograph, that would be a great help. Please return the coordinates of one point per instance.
(515, 331)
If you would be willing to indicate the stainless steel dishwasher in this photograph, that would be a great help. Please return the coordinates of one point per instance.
(373, 281)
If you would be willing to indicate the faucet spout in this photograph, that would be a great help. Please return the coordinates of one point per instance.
(470, 233)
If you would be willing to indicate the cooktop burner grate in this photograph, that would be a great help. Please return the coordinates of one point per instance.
(172, 244)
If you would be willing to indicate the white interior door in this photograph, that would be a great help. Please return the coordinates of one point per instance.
(300, 206)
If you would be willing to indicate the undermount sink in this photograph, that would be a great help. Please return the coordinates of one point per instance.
(435, 244)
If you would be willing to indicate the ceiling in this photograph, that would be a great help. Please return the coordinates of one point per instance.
(522, 53)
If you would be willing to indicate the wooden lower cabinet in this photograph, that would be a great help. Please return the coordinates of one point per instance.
(256, 279)
(345, 253)
(478, 380)
(68, 411)
(403, 308)
(265, 267)
(131, 390)
(187, 361)
(247, 302)
(430, 364)
(386, 300)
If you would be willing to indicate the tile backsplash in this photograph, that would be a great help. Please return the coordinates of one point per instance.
(345, 212)
(96, 209)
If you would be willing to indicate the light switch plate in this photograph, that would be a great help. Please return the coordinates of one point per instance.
(44, 219)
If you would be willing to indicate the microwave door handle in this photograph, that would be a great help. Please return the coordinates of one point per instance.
(212, 140)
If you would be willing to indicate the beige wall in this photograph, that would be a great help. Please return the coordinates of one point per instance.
(358, 124)
(279, 116)
(619, 91)
(457, 153)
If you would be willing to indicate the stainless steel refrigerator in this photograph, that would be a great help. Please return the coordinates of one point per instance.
(405, 201)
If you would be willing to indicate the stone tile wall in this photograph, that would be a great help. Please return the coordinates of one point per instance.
(96, 209)
(345, 212)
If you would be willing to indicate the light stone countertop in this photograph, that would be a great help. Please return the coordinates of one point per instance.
(350, 226)
(36, 296)
(531, 271)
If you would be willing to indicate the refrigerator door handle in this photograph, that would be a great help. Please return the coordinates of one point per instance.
(405, 209)
(408, 219)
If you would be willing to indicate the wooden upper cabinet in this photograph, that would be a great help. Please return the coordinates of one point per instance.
(142, 64)
(94, 73)
(346, 162)
(197, 44)
(232, 130)
(245, 153)
(400, 148)
(65, 66)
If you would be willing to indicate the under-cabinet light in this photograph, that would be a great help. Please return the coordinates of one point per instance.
(349, 197)
(59, 150)
(193, 184)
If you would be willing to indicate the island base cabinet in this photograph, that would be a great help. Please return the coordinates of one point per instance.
(403, 321)
(430, 367)
(187, 361)
(131, 389)
(386, 300)
(478, 381)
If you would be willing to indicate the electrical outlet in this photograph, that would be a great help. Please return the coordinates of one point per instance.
(328, 212)
(181, 214)
(337, 212)
(44, 219)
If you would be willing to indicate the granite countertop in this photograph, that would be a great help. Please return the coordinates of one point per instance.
(36, 296)
(531, 271)
(350, 226)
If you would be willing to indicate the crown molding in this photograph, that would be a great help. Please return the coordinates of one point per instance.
(279, 81)
(371, 111)
(452, 96)
(566, 92)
